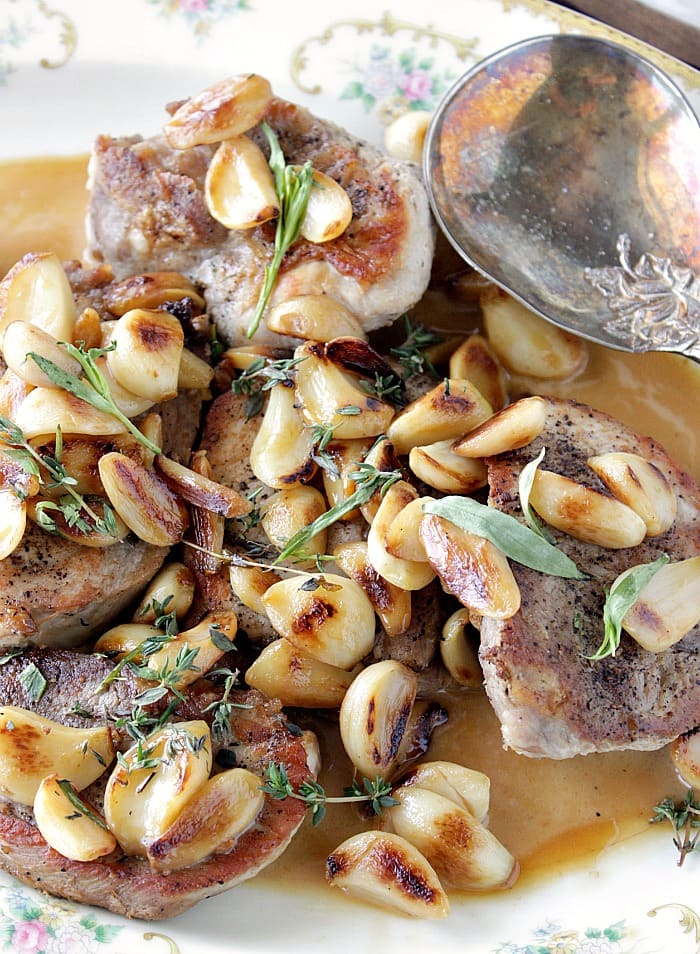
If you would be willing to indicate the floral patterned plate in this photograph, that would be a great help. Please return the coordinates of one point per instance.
(70, 69)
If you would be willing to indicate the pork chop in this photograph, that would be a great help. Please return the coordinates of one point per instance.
(126, 884)
(551, 699)
(147, 211)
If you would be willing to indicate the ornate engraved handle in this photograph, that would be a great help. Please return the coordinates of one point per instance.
(656, 303)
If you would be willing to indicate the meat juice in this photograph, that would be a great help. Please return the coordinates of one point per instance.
(550, 814)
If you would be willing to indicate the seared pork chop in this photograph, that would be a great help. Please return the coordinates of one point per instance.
(126, 884)
(551, 699)
(147, 211)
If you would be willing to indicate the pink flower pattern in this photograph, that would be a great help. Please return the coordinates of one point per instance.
(29, 937)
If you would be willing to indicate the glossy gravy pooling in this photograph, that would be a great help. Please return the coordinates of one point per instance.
(547, 812)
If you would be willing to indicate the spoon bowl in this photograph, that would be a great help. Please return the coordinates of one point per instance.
(567, 169)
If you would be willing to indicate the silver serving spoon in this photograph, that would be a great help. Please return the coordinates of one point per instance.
(553, 165)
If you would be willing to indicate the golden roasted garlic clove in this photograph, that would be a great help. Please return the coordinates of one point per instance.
(284, 672)
(471, 568)
(210, 638)
(374, 715)
(327, 616)
(76, 833)
(201, 491)
(80, 455)
(13, 520)
(382, 455)
(143, 501)
(22, 339)
(88, 328)
(385, 869)
(149, 290)
(132, 405)
(250, 583)
(391, 604)
(331, 396)
(446, 412)
(438, 466)
(462, 850)
(404, 137)
(640, 484)
(194, 373)
(146, 360)
(406, 574)
(475, 361)
(463, 786)
(313, 318)
(153, 782)
(288, 511)
(527, 344)
(125, 638)
(282, 451)
(37, 290)
(171, 589)
(328, 210)
(346, 455)
(13, 390)
(585, 513)
(74, 532)
(515, 426)
(44, 410)
(459, 656)
(667, 608)
(685, 752)
(32, 747)
(239, 188)
(402, 537)
(211, 822)
(228, 108)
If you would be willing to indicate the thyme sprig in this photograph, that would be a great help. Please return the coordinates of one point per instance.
(684, 816)
(262, 375)
(93, 388)
(147, 648)
(223, 707)
(165, 619)
(277, 784)
(167, 678)
(385, 387)
(72, 505)
(78, 804)
(293, 187)
(411, 353)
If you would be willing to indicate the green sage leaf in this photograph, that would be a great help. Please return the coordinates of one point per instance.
(525, 482)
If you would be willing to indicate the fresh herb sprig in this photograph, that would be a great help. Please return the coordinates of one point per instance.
(684, 816)
(368, 481)
(149, 646)
(277, 784)
(78, 804)
(72, 505)
(167, 678)
(385, 387)
(411, 353)
(525, 482)
(262, 375)
(93, 388)
(223, 707)
(293, 187)
(165, 619)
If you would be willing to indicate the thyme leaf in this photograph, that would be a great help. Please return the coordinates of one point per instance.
(411, 353)
(78, 804)
(684, 817)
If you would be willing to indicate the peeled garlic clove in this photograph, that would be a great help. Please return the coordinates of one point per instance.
(16, 478)
(22, 339)
(125, 638)
(149, 290)
(461, 850)
(327, 616)
(131, 405)
(282, 451)
(387, 870)
(685, 752)
(228, 108)
(463, 786)
(250, 583)
(527, 344)
(404, 137)
(13, 390)
(88, 328)
(313, 318)
(374, 715)
(328, 210)
(216, 816)
(448, 411)
(194, 373)
(515, 426)
(284, 672)
(206, 639)
(440, 467)
(201, 491)
(143, 799)
(37, 290)
(143, 502)
(475, 361)
(391, 604)
(471, 568)
(585, 513)
(382, 455)
(402, 537)
(667, 608)
(171, 588)
(406, 574)
(288, 511)
(146, 360)
(92, 537)
(13, 520)
(459, 656)
(346, 455)
(75, 834)
(640, 484)
(32, 747)
(45, 409)
(239, 188)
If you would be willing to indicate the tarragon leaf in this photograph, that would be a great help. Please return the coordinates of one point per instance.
(525, 482)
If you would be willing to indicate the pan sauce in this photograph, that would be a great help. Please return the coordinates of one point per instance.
(548, 813)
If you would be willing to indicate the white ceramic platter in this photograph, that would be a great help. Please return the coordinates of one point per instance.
(70, 69)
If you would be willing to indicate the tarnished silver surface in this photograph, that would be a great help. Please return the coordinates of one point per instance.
(554, 162)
